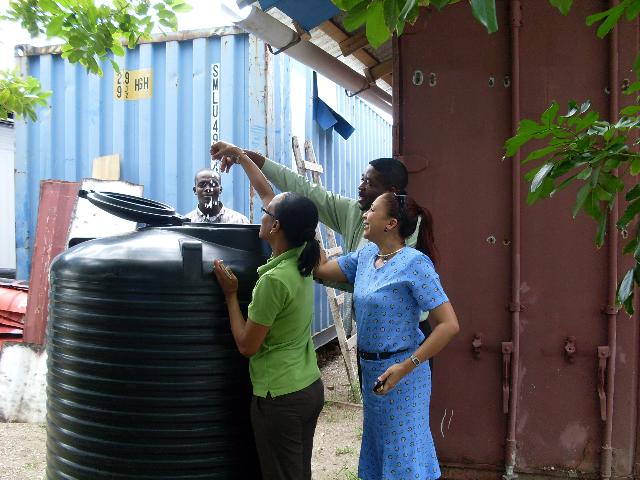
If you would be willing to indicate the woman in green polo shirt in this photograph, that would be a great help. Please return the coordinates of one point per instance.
(288, 394)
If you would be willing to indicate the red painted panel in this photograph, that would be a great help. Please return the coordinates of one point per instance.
(454, 155)
(55, 208)
(450, 132)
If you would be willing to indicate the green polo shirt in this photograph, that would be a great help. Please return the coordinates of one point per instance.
(283, 301)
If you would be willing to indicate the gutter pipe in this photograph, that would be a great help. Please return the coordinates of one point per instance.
(279, 36)
(515, 306)
(611, 310)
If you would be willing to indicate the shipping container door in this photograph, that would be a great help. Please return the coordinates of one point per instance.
(454, 118)
(454, 113)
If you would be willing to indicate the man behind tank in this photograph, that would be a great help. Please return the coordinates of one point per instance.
(207, 187)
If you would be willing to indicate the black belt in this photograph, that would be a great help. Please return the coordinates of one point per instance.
(378, 355)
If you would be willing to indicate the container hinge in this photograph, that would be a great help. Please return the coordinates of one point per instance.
(516, 307)
(603, 355)
(507, 350)
(302, 34)
(610, 310)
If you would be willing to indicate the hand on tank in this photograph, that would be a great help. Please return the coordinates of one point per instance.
(227, 153)
(226, 278)
(392, 376)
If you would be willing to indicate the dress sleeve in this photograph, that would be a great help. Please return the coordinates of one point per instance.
(349, 265)
(269, 298)
(425, 284)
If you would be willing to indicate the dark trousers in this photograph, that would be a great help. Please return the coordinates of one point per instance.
(283, 427)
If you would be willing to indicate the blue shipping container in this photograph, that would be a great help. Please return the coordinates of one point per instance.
(188, 89)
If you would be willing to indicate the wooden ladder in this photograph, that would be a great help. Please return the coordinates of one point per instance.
(332, 250)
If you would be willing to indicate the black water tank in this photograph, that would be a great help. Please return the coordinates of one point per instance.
(144, 378)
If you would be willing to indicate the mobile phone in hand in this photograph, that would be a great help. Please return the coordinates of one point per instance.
(378, 387)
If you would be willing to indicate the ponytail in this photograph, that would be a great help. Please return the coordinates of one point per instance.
(426, 242)
(309, 258)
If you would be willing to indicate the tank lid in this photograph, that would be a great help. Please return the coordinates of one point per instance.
(136, 209)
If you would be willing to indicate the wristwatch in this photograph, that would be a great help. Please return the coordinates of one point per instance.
(415, 360)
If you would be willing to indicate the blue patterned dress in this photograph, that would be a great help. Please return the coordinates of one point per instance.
(396, 439)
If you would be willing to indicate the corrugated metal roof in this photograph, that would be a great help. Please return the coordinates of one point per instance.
(323, 36)
(13, 301)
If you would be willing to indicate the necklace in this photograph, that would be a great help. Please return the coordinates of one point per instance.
(385, 256)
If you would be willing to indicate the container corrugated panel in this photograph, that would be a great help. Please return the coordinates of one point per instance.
(7, 197)
(164, 139)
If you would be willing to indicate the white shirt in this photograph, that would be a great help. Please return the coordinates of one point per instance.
(225, 215)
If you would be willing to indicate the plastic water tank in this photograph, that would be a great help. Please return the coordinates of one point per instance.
(144, 378)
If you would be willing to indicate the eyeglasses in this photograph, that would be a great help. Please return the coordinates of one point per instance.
(268, 213)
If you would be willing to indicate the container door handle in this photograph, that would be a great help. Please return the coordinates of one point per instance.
(507, 350)
(603, 355)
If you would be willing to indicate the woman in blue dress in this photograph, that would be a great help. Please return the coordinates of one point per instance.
(393, 283)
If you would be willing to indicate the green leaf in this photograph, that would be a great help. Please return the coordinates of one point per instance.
(114, 64)
(636, 256)
(583, 193)
(356, 17)
(630, 110)
(630, 246)
(611, 183)
(602, 230)
(586, 122)
(586, 173)
(543, 152)
(439, 4)
(49, 6)
(565, 183)
(607, 25)
(54, 28)
(562, 5)
(625, 289)
(377, 31)
(636, 65)
(633, 208)
(77, 40)
(391, 14)
(633, 193)
(526, 130)
(596, 17)
(408, 6)
(550, 114)
(485, 12)
(585, 106)
(346, 4)
(540, 176)
(182, 8)
(634, 168)
(117, 49)
(633, 10)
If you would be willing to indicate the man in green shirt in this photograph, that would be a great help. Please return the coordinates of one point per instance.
(341, 214)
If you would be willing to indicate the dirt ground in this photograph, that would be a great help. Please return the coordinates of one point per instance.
(336, 445)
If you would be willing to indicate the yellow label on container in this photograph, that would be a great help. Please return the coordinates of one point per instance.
(132, 84)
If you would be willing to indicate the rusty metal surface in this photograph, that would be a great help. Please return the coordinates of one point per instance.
(55, 208)
(441, 132)
(450, 132)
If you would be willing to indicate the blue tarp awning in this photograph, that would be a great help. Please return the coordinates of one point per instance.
(308, 13)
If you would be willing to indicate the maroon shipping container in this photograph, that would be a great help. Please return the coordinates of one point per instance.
(528, 385)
